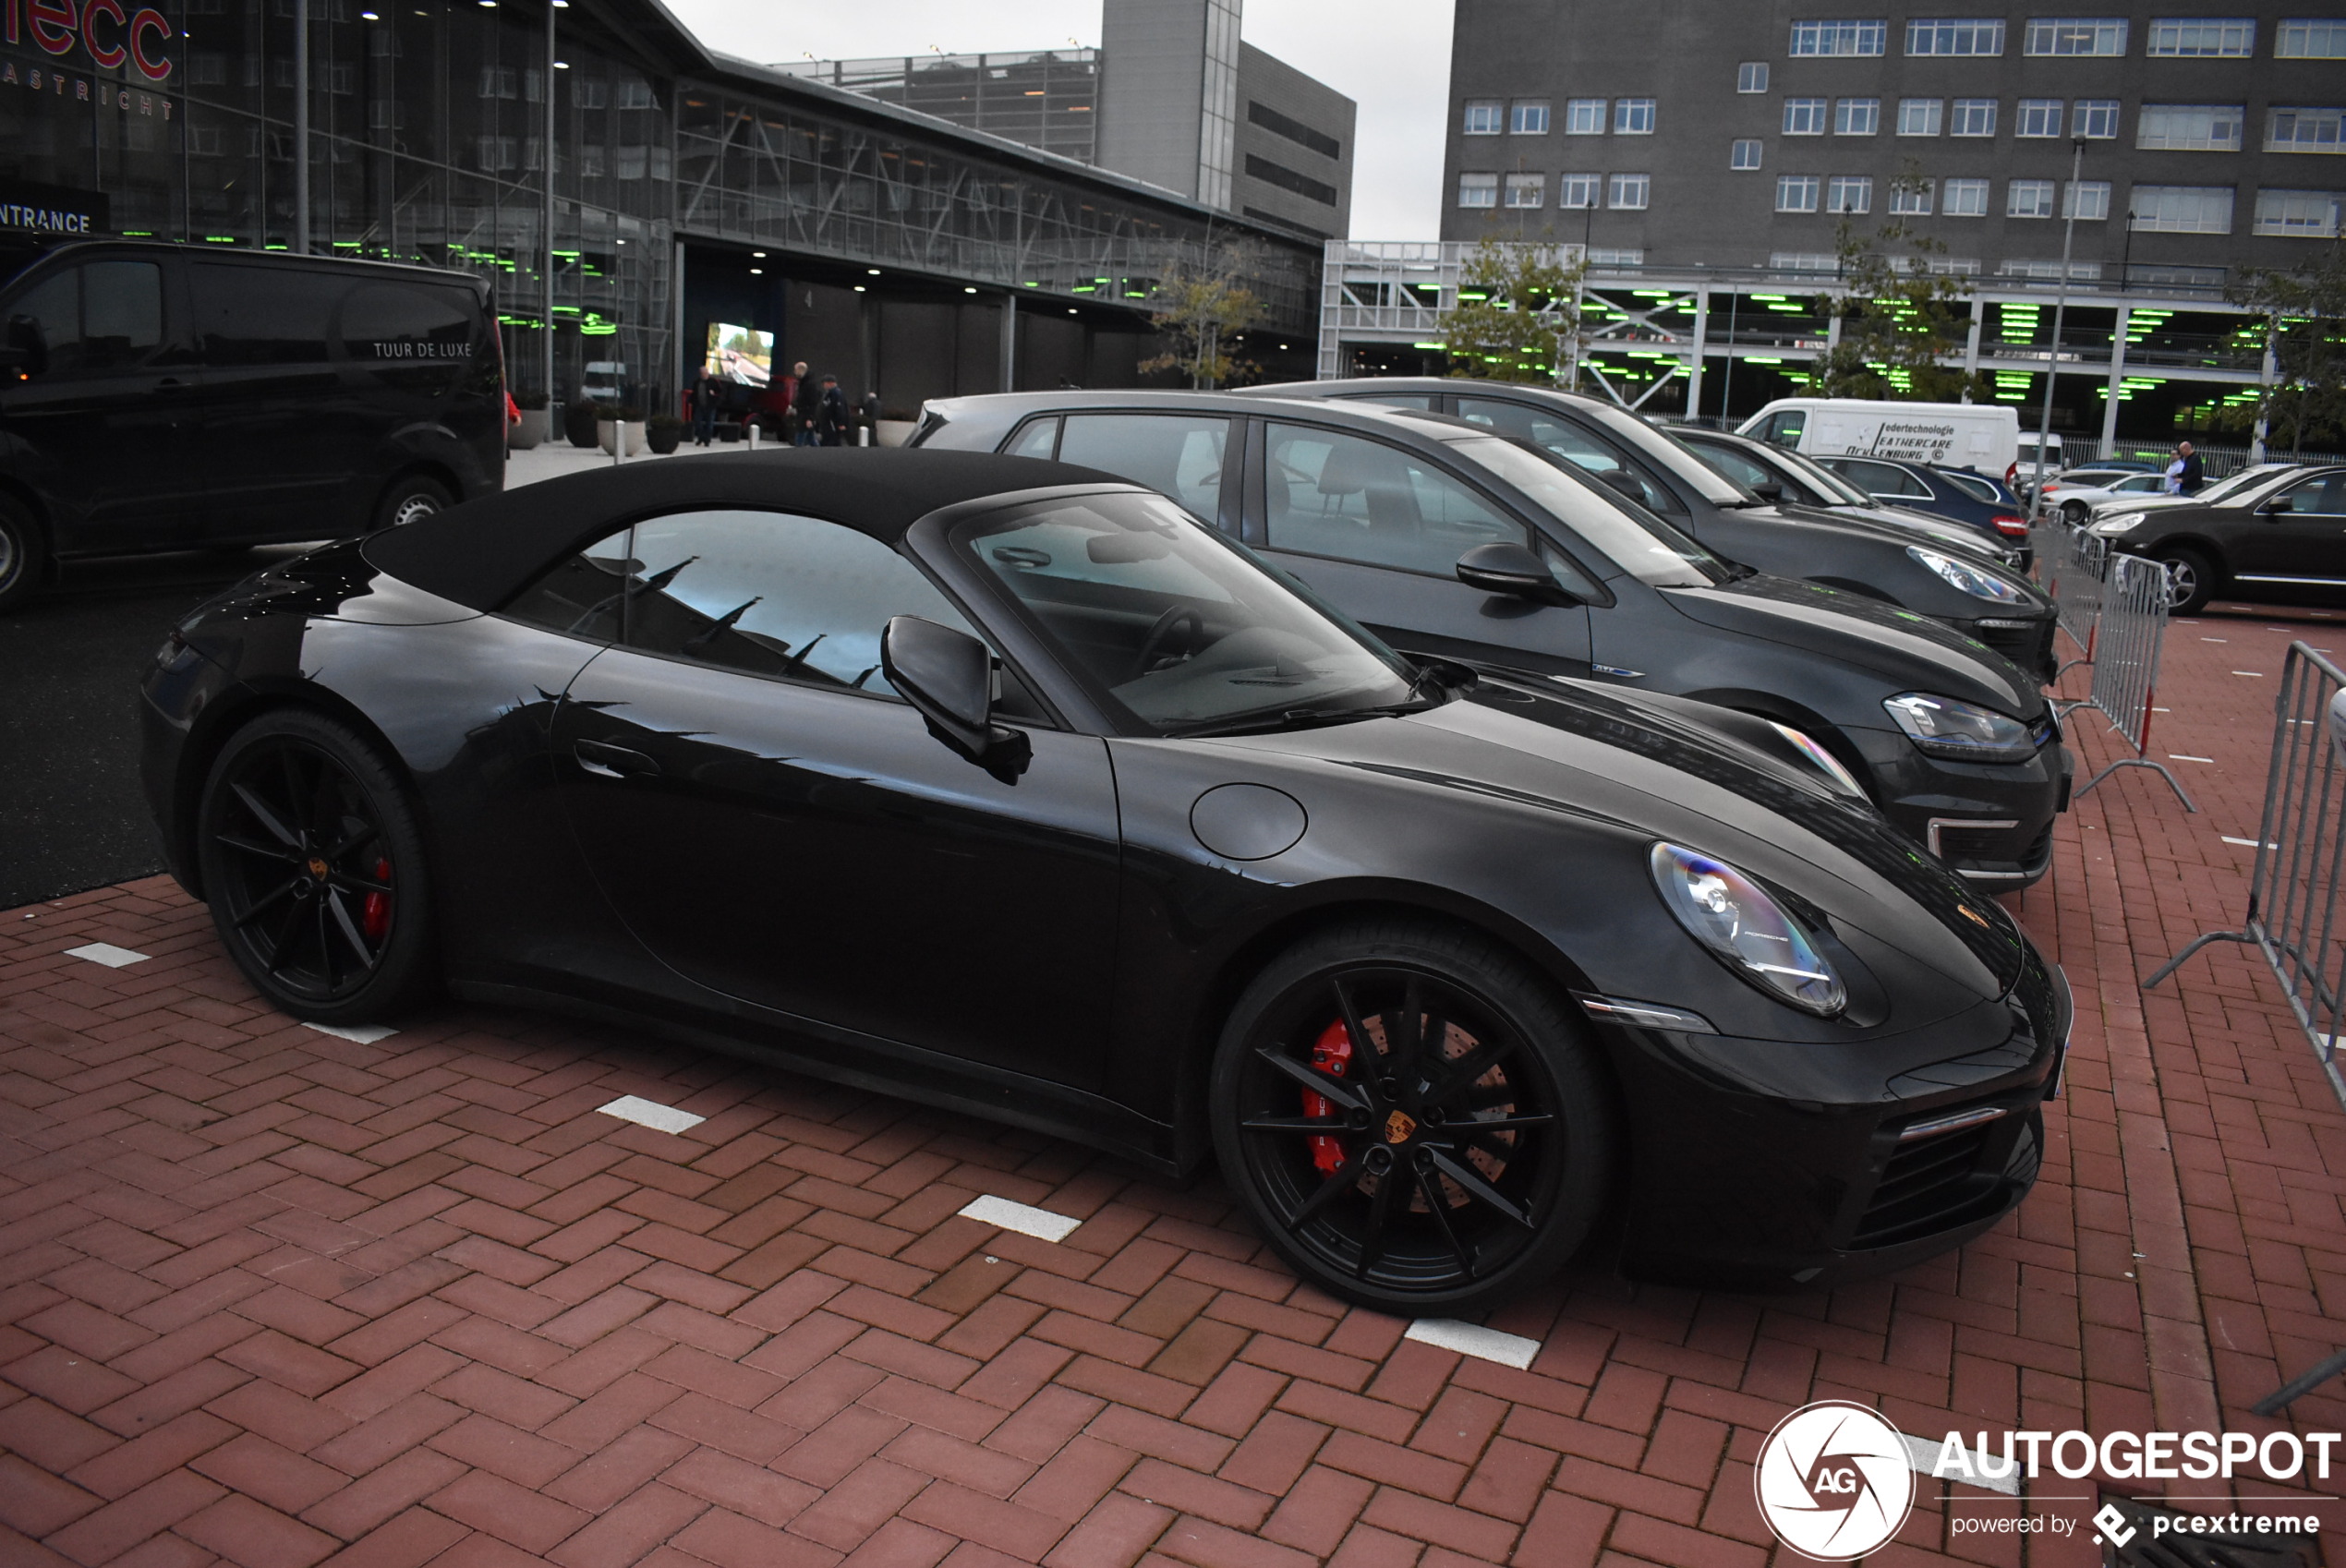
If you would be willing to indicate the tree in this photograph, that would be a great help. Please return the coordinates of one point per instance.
(1899, 317)
(1199, 310)
(2306, 307)
(1517, 312)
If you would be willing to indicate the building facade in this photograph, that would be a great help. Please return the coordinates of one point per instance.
(910, 256)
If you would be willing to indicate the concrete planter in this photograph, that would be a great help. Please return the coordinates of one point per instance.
(607, 431)
(894, 432)
(529, 433)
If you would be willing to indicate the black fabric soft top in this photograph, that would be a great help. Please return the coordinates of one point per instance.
(483, 553)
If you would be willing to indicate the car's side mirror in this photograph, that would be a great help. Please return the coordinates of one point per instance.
(947, 676)
(1513, 570)
(2276, 506)
(1771, 492)
(1625, 482)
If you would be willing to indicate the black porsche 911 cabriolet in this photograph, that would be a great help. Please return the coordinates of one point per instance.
(1007, 784)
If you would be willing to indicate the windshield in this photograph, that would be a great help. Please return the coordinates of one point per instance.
(1836, 490)
(1169, 625)
(1715, 486)
(1631, 537)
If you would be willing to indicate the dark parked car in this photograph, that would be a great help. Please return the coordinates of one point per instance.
(1925, 564)
(1008, 785)
(157, 397)
(1443, 538)
(1957, 494)
(2281, 540)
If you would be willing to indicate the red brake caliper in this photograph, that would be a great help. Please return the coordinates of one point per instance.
(374, 914)
(1332, 1053)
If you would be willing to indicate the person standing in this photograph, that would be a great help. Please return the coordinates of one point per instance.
(830, 414)
(2193, 472)
(806, 404)
(703, 408)
(2172, 484)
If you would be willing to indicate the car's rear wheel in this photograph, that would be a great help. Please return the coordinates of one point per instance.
(2191, 580)
(410, 499)
(1413, 1119)
(24, 555)
(313, 865)
(2075, 512)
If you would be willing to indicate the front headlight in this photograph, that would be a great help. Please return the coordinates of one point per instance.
(1747, 931)
(1970, 579)
(2124, 523)
(1941, 727)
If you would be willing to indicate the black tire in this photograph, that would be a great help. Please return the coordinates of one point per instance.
(24, 555)
(2191, 577)
(313, 864)
(1380, 1201)
(2075, 512)
(409, 498)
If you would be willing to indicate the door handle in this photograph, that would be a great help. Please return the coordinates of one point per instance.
(612, 762)
(172, 383)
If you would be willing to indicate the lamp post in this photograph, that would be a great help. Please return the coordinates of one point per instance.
(2126, 256)
(2061, 307)
(1580, 284)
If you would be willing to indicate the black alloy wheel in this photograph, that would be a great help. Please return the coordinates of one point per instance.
(2075, 513)
(314, 869)
(2191, 580)
(1413, 1120)
(23, 557)
(410, 499)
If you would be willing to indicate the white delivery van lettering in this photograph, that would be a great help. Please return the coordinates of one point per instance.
(1915, 441)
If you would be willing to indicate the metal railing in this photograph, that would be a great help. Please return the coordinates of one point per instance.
(2301, 854)
(2129, 632)
(2072, 563)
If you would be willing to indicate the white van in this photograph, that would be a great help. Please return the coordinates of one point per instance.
(1984, 437)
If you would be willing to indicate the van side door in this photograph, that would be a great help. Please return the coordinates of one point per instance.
(102, 427)
(283, 437)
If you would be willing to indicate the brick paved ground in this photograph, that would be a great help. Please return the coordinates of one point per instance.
(274, 1296)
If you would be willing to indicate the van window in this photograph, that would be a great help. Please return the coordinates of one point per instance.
(403, 322)
(1784, 427)
(99, 316)
(254, 315)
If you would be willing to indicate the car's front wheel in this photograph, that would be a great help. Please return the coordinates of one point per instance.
(23, 555)
(2191, 580)
(410, 499)
(2075, 512)
(1413, 1117)
(313, 864)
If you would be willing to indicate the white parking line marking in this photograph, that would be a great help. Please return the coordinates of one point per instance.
(2253, 674)
(651, 1114)
(106, 953)
(1473, 1339)
(1024, 1218)
(2215, 639)
(363, 1034)
(1922, 1458)
(2246, 843)
(2178, 756)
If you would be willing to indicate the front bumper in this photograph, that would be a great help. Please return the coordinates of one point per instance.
(1924, 1143)
(1991, 822)
(2028, 641)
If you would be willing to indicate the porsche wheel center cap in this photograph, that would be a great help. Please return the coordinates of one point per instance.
(1398, 1126)
(318, 868)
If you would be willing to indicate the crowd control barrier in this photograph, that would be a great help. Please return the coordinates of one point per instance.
(2129, 631)
(2301, 850)
(2074, 561)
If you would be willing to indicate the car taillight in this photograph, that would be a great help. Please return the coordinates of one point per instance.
(2004, 523)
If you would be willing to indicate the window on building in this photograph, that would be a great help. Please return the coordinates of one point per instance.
(2229, 38)
(1973, 116)
(499, 81)
(1965, 198)
(2096, 119)
(1815, 38)
(1849, 193)
(1479, 190)
(2310, 37)
(2304, 130)
(1794, 261)
(1911, 197)
(1955, 35)
(2181, 209)
(1484, 116)
(1528, 117)
(2038, 117)
(1920, 116)
(2302, 214)
(635, 93)
(1578, 191)
(2189, 128)
(2028, 198)
(1856, 117)
(1752, 76)
(1798, 193)
(2086, 200)
(1629, 192)
(1744, 153)
(1527, 190)
(1804, 116)
(1600, 257)
(2075, 35)
(1584, 116)
(496, 153)
(1633, 117)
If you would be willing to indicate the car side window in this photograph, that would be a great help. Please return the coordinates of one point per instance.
(1972, 486)
(1036, 438)
(99, 316)
(399, 323)
(1178, 455)
(1743, 470)
(2326, 497)
(584, 594)
(1874, 478)
(1421, 402)
(263, 315)
(1350, 498)
(1561, 438)
(2140, 483)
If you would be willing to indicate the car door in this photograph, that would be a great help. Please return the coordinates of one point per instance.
(284, 436)
(776, 825)
(2301, 541)
(104, 426)
(1377, 531)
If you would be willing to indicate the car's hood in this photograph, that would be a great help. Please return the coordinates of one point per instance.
(1655, 769)
(1912, 652)
(1899, 525)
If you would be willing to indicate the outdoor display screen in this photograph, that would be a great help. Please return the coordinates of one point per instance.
(739, 354)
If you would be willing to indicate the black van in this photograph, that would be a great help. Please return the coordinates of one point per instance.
(158, 397)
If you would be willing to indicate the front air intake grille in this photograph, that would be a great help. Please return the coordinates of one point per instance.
(2029, 646)
(1930, 1184)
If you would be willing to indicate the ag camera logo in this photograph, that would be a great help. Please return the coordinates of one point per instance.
(1833, 1480)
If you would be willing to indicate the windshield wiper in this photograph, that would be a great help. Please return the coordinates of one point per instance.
(1306, 718)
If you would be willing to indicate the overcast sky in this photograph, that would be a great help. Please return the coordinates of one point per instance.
(1393, 60)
